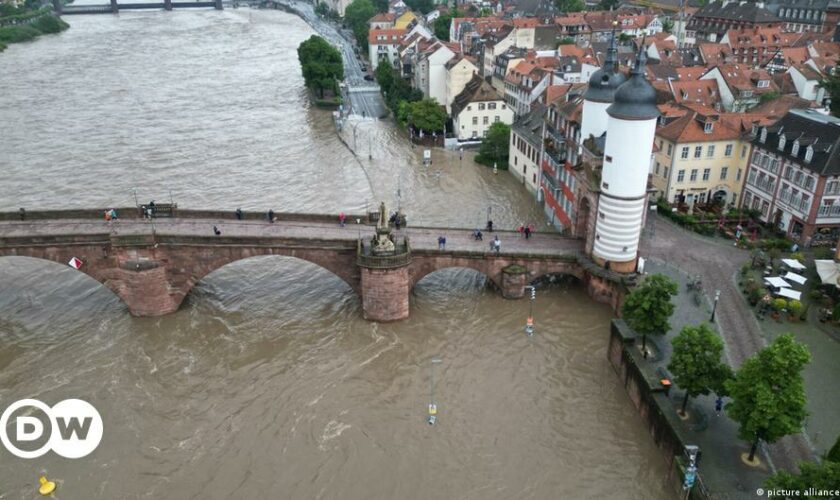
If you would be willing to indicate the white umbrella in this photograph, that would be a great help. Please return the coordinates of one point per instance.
(793, 264)
(827, 269)
(796, 278)
(789, 293)
(777, 282)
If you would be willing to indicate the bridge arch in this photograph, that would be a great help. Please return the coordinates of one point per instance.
(53, 264)
(420, 268)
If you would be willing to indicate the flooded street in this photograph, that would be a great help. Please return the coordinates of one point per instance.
(267, 383)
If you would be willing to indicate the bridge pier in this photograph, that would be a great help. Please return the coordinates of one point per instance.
(167, 4)
(217, 4)
(385, 293)
(514, 279)
(58, 7)
(114, 7)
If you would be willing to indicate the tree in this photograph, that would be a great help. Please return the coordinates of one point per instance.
(443, 22)
(427, 115)
(422, 6)
(834, 452)
(321, 64)
(831, 84)
(824, 476)
(570, 5)
(356, 16)
(768, 392)
(667, 25)
(648, 307)
(695, 362)
(607, 4)
(495, 148)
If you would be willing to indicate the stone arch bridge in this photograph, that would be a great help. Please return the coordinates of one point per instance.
(153, 264)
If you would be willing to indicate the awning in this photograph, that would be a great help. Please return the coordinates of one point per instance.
(777, 282)
(791, 294)
(793, 264)
(796, 278)
(828, 271)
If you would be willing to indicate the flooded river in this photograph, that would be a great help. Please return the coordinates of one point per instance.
(267, 383)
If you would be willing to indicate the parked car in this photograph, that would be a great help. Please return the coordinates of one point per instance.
(368, 78)
(364, 68)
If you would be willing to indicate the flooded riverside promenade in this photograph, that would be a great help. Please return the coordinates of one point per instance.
(267, 382)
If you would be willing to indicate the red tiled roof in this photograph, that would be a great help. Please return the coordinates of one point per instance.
(691, 128)
(703, 92)
(392, 36)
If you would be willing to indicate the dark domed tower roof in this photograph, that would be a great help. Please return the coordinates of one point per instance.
(604, 82)
(636, 98)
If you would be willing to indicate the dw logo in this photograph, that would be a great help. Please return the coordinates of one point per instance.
(29, 428)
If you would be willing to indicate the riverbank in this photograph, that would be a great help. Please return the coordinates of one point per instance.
(26, 27)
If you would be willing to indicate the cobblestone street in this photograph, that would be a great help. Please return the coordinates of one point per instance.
(678, 253)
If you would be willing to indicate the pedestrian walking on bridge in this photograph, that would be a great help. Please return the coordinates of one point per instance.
(271, 215)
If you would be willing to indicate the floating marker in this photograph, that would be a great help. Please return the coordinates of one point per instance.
(47, 486)
(432, 414)
(75, 263)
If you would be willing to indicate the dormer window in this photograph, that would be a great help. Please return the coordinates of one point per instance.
(763, 137)
(763, 84)
(782, 142)
(809, 154)
(795, 150)
(707, 127)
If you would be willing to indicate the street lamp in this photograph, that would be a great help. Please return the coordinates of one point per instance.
(714, 307)
(529, 324)
(432, 405)
(691, 470)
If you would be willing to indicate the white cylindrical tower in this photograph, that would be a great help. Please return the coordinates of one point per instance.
(600, 94)
(621, 207)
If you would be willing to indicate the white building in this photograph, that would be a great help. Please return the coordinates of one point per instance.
(477, 108)
(631, 127)
(459, 71)
(430, 73)
(526, 148)
(384, 45)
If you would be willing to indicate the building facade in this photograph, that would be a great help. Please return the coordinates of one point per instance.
(793, 178)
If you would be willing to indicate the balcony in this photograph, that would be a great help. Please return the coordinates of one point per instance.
(549, 182)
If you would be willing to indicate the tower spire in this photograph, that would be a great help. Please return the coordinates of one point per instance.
(641, 59)
(610, 63)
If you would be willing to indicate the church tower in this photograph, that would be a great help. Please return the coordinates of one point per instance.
(631, 126)
(600, 94)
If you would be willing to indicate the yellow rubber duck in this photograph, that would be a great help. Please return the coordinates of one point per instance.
(47, 486)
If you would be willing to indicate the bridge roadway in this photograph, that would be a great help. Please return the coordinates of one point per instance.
(421, 238)
(153, 264)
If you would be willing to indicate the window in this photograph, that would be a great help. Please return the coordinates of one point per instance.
(707, 127)
(698, 150)
(706, 173)
(723, 172)
(681, 176)
(481, 106)
(496, 119)
(469, 108)
(491, 105)
(710, 152)
(504, 106)
(684, 153)
(743, 151)
(782, 142)
(763, 137)
(665, 172)
(809, 154)
(809, 183)
(795, 150)
(670, 149)
(486, 120)
(657, 168)
(728, 150)
(475, 120)
(693, 177)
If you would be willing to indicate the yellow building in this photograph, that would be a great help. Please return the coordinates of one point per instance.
(700, 158)
(405, 20)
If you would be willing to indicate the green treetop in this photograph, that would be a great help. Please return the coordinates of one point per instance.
(648, 307)
(696, 362)
(768, 392)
